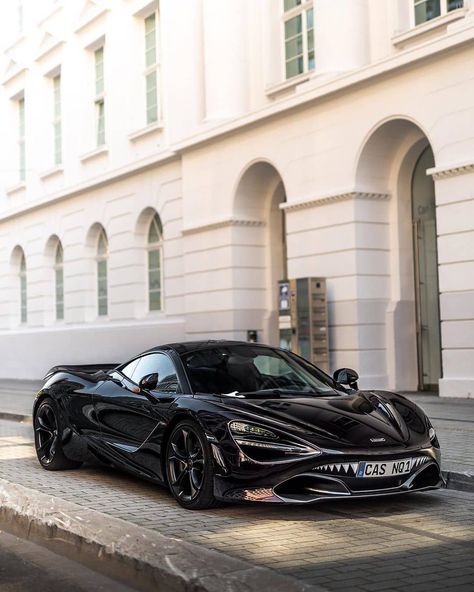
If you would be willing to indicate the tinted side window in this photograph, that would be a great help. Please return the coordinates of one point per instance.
(160, 363)
(129, 368)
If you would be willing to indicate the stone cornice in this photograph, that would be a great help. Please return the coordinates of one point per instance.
(451, 171)
(225, 222)
(327, 199)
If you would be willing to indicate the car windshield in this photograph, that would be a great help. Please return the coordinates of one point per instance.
(239, 370)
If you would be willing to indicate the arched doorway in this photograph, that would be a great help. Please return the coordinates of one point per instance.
(394, 161)
(425, 258)
(259, 195)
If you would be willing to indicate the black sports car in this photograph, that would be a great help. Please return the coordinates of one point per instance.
(231, 421)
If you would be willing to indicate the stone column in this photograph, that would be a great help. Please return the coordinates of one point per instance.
(454, 219)
(341, 35)
(225, 58)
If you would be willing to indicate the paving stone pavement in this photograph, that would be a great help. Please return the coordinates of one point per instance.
(413, 543)
(454, 423)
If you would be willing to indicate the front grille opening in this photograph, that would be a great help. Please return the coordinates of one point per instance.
(429, 477)
(306, 487)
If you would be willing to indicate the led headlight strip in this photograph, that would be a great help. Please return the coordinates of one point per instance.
(246, 434)
(239, 427)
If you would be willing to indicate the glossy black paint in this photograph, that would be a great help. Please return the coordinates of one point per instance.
(110, 415)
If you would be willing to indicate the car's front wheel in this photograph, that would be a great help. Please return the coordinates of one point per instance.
(48, 438)
(189, 467)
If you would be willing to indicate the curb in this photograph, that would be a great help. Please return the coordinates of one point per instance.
(141, 558)
(459, 481)
(18, 417)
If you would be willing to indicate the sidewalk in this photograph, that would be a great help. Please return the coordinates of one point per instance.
(452, 418)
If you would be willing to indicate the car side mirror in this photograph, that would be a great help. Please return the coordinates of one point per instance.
(149, 382)
(347, 377)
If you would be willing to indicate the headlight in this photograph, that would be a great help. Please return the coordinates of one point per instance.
(263, 445)
(432, 434)
(241, 428)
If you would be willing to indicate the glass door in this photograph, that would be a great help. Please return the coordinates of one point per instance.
(426, 274)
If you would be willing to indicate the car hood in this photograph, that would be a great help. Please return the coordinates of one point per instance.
(360, 420)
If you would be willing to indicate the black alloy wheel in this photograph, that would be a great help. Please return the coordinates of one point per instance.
(189, 467)
(48, 438)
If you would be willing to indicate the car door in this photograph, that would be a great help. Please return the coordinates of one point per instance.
(132, 419)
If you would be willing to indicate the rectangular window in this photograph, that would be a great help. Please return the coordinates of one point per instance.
(154, 279)
(21, 139)
(102, 287)
(57, 129)
(99, 70)
(99, 98)
(23, 295)
(59, 293)
(100, 109)
(151, 68)
(426, 10)
(298, 22)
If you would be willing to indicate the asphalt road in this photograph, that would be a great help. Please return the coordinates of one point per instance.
(26, 567)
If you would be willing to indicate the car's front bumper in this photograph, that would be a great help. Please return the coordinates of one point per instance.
(329, 476)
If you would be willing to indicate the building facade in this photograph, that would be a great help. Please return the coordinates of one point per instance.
(164, 164)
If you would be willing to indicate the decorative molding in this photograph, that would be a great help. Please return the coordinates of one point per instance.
(57, 170)
(19, 187)
(452, 171)
(96, 153)
(90, 14)
(49, 45)
(12, 71)
(145, 131)
(226, 222)
(324, 200)
(102, 180)
(419, 32)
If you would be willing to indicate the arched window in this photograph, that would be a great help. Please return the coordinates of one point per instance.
(102, 254)
(23, 291)
(155, 247)
(59, 281)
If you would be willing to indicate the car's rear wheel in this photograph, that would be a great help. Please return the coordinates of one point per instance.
(189, 467)
(49, 438)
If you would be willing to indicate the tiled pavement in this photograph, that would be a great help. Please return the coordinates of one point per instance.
(412, 543)
(454, 423)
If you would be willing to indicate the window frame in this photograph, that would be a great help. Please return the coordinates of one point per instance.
(300, 9)
(99, 99)
(174, 360)
(22, 138)
(59, 272)
(156, 246)
(443, 12)
(57, 122)
(99, 259)
(152, 69)
(179, 388)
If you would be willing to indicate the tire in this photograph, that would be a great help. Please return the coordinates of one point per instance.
(48, 438)
(189, 467)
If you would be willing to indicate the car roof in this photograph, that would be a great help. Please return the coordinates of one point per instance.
(183, 347)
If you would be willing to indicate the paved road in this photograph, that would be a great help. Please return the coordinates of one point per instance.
(414, 543)
(26, 567)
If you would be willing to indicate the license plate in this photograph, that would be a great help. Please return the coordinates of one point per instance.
(384, 469)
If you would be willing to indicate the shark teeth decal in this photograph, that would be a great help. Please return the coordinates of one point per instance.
(350, 469)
